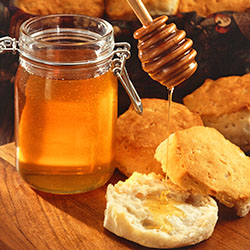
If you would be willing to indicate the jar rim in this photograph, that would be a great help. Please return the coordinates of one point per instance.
(27, 23)
(30, 36)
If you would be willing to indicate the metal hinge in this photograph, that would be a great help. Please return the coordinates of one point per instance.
(8, 44)
(121, 54)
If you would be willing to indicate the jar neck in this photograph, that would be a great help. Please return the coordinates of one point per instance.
(66, 72)
(66, 42)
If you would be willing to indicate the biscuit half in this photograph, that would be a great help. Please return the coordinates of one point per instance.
(146, 211)
(139, 135)
(202, 160)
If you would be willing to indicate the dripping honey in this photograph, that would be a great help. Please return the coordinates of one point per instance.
(170, 98)
(65, 136)
(160, 208)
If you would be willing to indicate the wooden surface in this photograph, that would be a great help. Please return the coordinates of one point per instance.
(34, 220)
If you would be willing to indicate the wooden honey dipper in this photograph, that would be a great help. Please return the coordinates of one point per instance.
(165, 52)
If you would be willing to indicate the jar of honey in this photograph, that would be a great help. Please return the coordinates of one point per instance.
(66, 101)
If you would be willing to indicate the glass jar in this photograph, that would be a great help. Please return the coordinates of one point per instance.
(66, 102)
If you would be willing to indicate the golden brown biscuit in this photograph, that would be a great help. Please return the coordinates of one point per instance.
(201, 159)
(46, 7)
(139, 135)
(145, 210)
(225, 105)
(120, 10)
(207, 7)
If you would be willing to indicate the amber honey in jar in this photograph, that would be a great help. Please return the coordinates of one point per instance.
(65, 103)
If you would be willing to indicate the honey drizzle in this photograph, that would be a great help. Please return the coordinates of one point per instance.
(160, 208)
(170, 97)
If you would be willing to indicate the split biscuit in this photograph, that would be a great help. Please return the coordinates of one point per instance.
(202, 160)
(145, 210)
(139, 135)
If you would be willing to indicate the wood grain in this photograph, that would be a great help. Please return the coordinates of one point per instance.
(7, 152)
(36, 220)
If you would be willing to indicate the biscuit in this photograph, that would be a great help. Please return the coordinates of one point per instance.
(207, 7)
(145, 210)
(45, 7)
(202, 160)
(225, 105)
(120, 10)
(139, 135)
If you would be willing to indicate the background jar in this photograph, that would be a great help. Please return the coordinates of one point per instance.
(65, 103)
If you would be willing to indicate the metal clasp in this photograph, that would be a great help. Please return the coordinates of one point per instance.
(8, 44)
(121, 54)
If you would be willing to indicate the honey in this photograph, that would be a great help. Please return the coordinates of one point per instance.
(170, 99)
(65, 131)
(66, 102)
(160, 208)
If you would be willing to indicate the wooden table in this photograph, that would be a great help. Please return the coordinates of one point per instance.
(35, 220)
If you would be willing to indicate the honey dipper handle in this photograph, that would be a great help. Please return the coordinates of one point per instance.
(141, 12)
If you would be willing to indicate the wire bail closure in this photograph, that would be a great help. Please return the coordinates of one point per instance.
(8, 44)
(122, 53)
